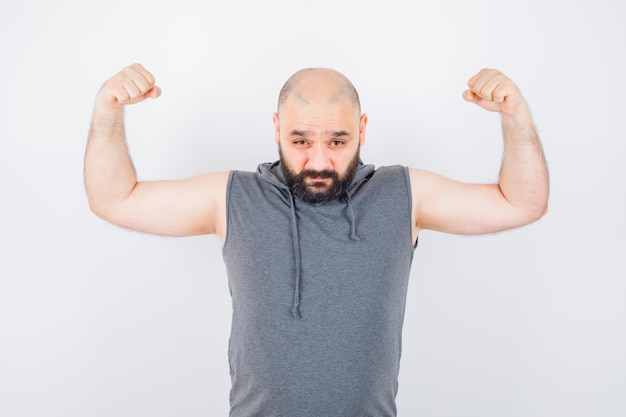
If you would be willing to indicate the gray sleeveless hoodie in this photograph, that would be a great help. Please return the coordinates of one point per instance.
(318, 294)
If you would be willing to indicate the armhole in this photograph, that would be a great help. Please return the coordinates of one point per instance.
(407, 180)
(227, 214)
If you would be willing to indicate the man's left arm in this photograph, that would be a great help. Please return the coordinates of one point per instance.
(521, 195)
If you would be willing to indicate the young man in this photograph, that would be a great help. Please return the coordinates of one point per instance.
(318, 246)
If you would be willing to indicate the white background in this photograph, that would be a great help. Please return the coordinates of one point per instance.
(99, 321)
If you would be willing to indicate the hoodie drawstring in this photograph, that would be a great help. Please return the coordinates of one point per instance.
(295, 309)
(272, 173)
(353, 234)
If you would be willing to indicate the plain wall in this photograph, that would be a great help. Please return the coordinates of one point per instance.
(99, 321)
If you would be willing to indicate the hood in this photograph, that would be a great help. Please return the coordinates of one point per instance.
(273, 174)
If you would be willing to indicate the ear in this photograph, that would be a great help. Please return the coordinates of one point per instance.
(276, 128)
(362, 126)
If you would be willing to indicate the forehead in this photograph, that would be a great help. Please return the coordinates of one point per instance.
(318, 112)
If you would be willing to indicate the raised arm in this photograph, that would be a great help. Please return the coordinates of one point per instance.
(184, 207)
(521, 195)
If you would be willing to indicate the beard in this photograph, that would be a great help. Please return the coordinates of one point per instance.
(311, 186)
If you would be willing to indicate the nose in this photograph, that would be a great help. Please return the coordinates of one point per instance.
(319, 159)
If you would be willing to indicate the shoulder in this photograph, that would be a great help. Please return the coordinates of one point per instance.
(387, 182)
(391, 174)
(392, 170)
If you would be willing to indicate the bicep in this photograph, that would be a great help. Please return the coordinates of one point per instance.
(186, 207)
(450, 206)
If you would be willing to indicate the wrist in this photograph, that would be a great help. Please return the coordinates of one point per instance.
(107, 111)
(519, 118)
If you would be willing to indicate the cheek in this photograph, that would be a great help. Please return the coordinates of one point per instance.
(343, 161)
(294, 159)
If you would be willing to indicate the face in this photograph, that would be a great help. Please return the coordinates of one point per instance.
(318, 187)
(319, 146)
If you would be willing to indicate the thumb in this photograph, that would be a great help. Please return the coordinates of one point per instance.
(468, 95)
(155, 92)
(489, 105)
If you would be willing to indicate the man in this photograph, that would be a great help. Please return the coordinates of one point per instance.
(317, 245)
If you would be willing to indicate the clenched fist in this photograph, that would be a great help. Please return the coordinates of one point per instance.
(131, 85)
(494, 91)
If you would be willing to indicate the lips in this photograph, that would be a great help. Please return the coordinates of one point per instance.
(318, 182)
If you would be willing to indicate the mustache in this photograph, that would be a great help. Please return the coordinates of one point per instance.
(311, 173)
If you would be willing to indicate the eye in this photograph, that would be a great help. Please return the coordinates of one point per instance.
(336, 143)
(299, 142)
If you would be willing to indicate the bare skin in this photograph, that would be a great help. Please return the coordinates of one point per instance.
(317, 127)
(521, 195)
(186, 207)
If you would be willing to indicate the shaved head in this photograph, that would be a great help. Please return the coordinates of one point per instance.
(316, 84)
(319, 129)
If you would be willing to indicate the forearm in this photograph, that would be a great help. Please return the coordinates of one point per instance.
(524, 175)
(109, 173)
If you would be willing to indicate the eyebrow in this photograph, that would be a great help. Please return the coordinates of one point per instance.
(330, 133)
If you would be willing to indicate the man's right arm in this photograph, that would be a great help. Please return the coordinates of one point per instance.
(186, 207)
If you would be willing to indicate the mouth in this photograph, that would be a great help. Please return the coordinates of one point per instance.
(318, 183)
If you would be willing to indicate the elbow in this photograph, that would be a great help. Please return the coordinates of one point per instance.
(542, 206)
(100, 209)
(104, 204)
(535, 212)
(544, 211)
(540, 213)
(533, 207)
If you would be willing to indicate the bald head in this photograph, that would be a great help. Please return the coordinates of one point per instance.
(319, 85)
